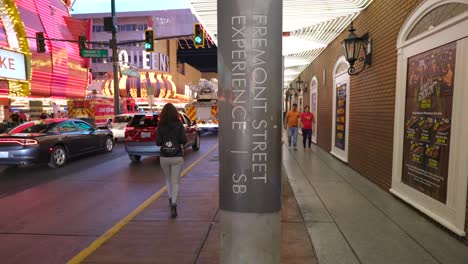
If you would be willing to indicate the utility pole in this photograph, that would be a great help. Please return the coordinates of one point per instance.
(115, 60)
(250, 88)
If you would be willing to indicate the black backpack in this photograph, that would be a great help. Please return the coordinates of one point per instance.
(170, 146)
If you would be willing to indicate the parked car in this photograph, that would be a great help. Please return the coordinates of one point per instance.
(140, 135)
(118, 124)
(52, 141)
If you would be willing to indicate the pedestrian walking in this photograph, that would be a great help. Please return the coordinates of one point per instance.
(23, 117)
(307, 118)
(170, 136)
(291, 123)
(15, 118)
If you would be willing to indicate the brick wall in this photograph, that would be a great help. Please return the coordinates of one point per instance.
(372, 97)
(372, 92)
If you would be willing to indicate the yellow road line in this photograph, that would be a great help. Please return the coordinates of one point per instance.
(116, 228)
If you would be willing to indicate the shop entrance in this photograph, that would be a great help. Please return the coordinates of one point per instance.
(313, 106)
(429, 161)
(340, 125)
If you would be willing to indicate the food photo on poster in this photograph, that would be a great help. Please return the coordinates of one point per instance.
(429, 100)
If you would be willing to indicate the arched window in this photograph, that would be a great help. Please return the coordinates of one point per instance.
(436, 17)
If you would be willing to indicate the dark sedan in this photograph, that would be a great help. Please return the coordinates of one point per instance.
(52, 141)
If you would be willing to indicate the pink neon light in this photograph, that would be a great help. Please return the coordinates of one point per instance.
(59, 71)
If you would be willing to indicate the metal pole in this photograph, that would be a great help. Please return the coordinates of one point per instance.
(250, 89)
(115, 60)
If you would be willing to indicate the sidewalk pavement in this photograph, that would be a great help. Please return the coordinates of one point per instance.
(351, 220)
(193, 237)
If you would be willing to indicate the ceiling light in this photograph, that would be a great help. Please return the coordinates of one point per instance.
(290, 72)
(293, 45)
(291, 62)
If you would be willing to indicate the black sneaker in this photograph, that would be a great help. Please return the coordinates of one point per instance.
(173, 210)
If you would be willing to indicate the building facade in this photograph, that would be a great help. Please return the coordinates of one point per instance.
(400, 122)
(59, 72)
(139, 69)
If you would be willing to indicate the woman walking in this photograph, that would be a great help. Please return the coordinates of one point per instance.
(307, 118)
(171, 137)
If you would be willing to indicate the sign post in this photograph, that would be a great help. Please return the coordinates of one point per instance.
(115, 60)
(150, 92)
(250, 63)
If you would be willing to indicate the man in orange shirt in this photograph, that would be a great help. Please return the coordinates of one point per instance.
(291, 122)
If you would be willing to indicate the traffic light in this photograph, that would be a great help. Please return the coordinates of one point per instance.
(40, 42)
(82, 43)
(149, 40)
(199, 36)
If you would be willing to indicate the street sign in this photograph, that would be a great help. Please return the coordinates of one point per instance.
(93, 53)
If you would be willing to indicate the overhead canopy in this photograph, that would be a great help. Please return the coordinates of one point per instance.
(311, 24)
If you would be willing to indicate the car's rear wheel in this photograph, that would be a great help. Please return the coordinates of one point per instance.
(134, 158)
(58, 157)
(196, 144)
(109, 145)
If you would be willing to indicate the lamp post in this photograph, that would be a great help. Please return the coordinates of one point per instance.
(249, 114)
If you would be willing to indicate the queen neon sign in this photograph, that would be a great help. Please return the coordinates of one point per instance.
(153, 60)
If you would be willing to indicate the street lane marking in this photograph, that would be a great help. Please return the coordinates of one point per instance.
(117, 227)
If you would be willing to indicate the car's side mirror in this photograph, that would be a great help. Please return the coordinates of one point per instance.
(194, 123)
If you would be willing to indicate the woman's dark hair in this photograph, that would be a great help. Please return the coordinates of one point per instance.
(168, 114)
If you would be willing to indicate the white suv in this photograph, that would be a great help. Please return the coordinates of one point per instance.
(118, 124)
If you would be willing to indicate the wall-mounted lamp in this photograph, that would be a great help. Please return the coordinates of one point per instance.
(301, 85)
(286, 92)
(352, 47)
(291, 91)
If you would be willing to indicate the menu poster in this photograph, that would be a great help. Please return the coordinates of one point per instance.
(340, 126)
(314, 102)
(314, 107)
(429, 98)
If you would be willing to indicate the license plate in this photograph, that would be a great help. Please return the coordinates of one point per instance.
(145, 134)
(3, 154)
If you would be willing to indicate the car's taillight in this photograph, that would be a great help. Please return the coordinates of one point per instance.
(29, 142)
(127, 130)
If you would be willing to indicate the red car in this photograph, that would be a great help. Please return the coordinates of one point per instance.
(140, 135)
